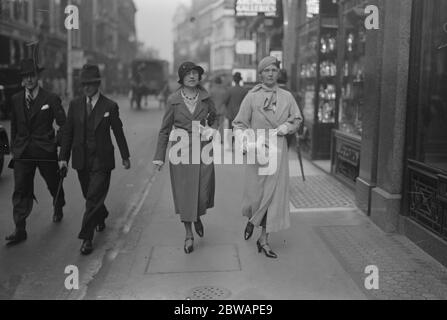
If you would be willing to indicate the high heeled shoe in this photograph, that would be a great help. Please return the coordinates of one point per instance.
(266, 249)
(248, 230)
(189, 249)
(199, 228)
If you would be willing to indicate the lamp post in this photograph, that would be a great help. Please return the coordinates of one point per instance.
(69, 62)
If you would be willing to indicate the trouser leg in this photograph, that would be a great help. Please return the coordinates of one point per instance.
(23, 195)
(95, 185)
(50, 173)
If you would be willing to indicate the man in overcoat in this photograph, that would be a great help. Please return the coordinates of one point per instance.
(87, 138)
(34, 145)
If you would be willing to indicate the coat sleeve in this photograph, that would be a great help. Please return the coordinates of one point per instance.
(117, 128)
(67, 135)
(295, 117)
(243, 118)
(163, 136)
(13, 123)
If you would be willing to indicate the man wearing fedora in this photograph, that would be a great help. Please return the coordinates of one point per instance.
(34, 145)
(87, 138)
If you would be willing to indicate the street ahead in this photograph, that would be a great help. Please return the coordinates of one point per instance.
(35, 268)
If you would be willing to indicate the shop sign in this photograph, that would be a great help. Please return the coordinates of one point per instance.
(313, 8)
(78, 59)
(246, 47)
(254, 7)
(248, 75)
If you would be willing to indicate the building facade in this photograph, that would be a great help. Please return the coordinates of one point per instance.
(106, 36)
(388, 142)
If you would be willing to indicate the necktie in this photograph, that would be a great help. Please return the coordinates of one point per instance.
(28, 100)
(89, 106)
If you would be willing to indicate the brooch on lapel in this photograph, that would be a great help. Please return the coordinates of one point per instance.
(45, 107)
(106, 115)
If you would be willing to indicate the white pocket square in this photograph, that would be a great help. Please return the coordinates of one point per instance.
(45, 107)
(106, 115)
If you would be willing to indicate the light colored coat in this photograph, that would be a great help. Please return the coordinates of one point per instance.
(268, 193)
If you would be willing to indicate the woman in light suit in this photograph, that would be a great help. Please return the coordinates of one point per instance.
(193, 183)
(266, 197)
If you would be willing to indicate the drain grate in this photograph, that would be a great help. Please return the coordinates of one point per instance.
(208, 293)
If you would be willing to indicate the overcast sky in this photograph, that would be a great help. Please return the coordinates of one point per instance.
(154, 24)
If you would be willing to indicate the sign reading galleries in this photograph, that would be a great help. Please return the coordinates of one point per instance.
(254, 7)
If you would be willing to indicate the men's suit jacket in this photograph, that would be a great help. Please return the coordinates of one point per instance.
(36, 125)
(74, 135)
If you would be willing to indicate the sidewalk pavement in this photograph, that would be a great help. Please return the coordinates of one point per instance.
(322, 256)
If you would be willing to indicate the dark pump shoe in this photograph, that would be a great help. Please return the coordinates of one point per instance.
(87, 247)
(248, 230)
(266, 249)
(17, 237)
(58, 215)
(101, 226)
(199, 228)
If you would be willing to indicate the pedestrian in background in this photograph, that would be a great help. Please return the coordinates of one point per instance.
(266, 197)
(192, 185)
(233, 101)
(87, 139)
(34, 145)
(218, 94)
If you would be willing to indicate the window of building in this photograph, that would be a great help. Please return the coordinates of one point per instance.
(431, 145)
(352, 78)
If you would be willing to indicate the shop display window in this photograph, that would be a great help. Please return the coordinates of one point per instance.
(432, 106)
(352, 77)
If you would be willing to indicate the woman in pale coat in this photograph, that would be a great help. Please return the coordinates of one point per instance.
(194, 179)
(266, 197)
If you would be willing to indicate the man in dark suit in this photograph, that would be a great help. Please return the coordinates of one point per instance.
(87, 137)
(34, 145)
(233, 101)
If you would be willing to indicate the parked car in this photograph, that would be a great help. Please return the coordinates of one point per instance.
(4, 147)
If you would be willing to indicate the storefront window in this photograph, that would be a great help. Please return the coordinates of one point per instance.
(308, 54)
(352, 89)
(432, 113)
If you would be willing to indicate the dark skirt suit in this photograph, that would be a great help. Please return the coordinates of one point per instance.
(193, 185)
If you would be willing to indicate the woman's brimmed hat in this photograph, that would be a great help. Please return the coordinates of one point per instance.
(90, 74)
(186, 67)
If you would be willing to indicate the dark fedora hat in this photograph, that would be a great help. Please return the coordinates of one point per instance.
(90, 74)
(237, 76)
(28, 66)
(186, 67)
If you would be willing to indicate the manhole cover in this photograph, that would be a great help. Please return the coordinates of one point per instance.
(208, 293)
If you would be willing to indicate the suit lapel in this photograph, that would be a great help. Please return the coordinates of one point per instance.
(82, 107)
(203, 95)
(22, 107)
(40, 100)
(99, 111)
(199, 109)
(178, 100)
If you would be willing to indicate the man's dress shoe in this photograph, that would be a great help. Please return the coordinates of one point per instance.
(87, 247)
(16, 237)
